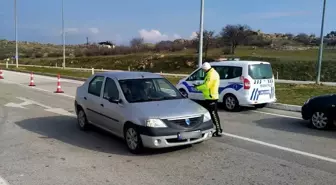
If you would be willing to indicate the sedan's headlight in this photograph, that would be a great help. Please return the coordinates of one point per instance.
(206, 117)
(155, 123)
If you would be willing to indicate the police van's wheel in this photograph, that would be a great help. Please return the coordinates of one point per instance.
(230, 102)
(184, 93)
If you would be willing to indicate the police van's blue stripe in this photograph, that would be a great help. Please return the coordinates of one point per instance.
(255, 94)
(235, 86)
(252, 94)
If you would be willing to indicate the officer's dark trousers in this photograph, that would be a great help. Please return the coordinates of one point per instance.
(211, 105)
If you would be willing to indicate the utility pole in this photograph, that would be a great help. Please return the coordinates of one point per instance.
(16, 37)
(200, 49)
(63, 34)
(319, 63)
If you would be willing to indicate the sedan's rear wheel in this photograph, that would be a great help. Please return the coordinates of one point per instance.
(82, 120)
(320, 120)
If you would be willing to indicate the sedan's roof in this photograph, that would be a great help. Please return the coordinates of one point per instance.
(122, 75)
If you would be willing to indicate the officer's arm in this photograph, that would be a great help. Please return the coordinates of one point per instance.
(206, 84)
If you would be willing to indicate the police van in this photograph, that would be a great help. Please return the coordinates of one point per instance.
(242, 84)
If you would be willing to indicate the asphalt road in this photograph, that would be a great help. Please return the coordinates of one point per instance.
(40, 144)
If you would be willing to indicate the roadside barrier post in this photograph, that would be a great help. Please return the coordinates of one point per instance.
(277, 75)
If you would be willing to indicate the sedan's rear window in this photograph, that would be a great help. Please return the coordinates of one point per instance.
(260, 71)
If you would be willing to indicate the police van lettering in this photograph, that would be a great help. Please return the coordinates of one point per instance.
(263, 81)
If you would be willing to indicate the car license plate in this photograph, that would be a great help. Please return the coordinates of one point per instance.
(189, 135)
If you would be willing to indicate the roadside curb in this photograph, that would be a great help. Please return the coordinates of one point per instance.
(286, 107)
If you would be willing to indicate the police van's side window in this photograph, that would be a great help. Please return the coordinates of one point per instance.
(223, 71)
(235, 72)
(197, 75)
(229, 72)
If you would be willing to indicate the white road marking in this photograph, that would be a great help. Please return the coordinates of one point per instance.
(46, 108)
(34, 102)
(15, 105)
(274, 114)
(236, 136)
(60, 111)
(20, 105)
(3, 181)
(282, 148)
(45, 77)
(39, 89)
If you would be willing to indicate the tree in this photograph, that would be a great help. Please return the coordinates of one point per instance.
(303, 38)
(136, 42)
(289, 36)
(164, 46)
(235, 35)
(332, 34)
(208, 39)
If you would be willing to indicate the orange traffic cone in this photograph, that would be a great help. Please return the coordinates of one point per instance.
(59, 89)
(31, 80)
(1, 77)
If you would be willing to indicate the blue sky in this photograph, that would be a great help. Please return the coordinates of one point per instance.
(121, 20)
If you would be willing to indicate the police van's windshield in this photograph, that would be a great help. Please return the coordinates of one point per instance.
(260, 71)
(148, 89)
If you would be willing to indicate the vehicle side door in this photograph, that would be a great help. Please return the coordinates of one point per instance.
(195, 78)
(229, 78)
(93, 98)
(112, 107)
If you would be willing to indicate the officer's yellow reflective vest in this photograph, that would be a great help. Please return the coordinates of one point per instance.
(210, 85)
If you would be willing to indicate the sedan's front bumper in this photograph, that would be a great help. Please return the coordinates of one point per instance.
(169, 136)
(173, 140)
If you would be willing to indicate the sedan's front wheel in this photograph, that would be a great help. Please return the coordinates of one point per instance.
(320, 120)
(133, 139)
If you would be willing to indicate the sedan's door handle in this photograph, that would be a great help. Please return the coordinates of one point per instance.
(85, 98)
(102, 105)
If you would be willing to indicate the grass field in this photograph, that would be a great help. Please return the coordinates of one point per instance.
(286, 93)
(283, 55)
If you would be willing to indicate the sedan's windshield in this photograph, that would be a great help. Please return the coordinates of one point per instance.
(148, 89)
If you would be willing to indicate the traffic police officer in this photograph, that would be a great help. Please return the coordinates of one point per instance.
(209, 89)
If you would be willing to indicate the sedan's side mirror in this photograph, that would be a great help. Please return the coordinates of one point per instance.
(115, 100)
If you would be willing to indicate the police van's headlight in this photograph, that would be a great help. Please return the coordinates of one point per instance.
(206, 117)
(155, 123)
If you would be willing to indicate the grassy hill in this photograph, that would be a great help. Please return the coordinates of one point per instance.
(294, 63)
